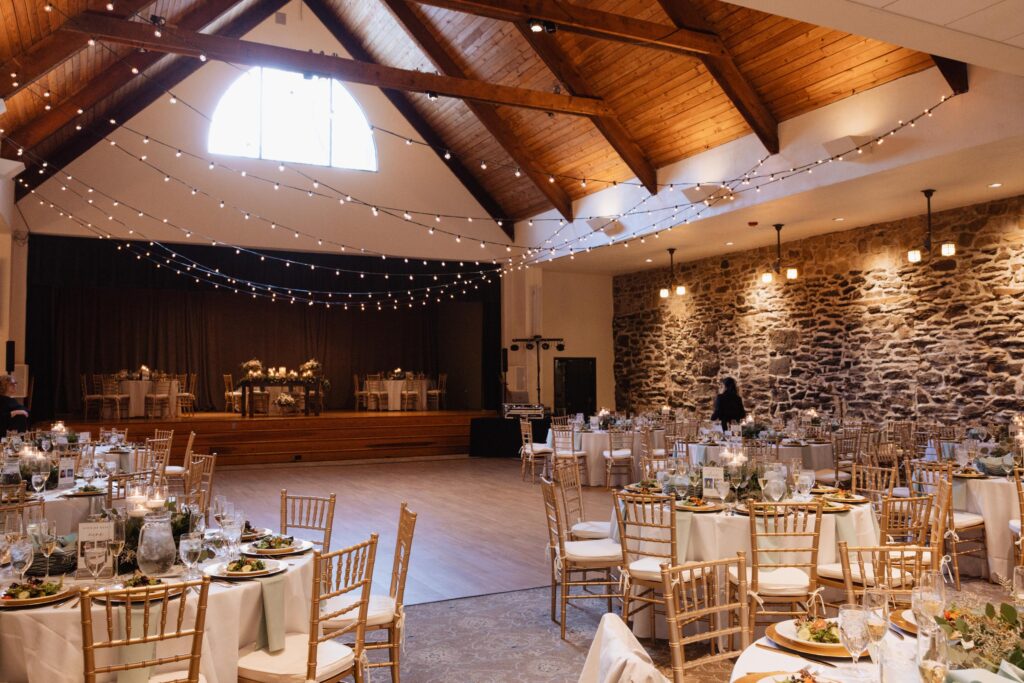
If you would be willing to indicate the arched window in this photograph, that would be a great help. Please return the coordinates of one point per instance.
(284, 116)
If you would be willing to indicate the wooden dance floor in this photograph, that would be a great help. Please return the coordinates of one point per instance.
(336, 436)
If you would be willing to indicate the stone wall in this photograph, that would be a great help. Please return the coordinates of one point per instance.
(942, 339)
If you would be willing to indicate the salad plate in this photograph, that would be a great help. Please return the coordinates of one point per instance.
(34, 592)
(276, 545)
(694, 504)
(845, 497)
(245, 568)
(85, 491)
(646, 487)
(808, 636)
(251, 533)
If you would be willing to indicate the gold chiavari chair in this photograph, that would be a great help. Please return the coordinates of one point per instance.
(118, 484)
(560, 421)
(688, 430)
(906, 521)
(159, 398)
(874, 483)
(147, 615)
(199, 481)
(186, 396)
(784, 552)
(702, 591)
(758, 450)
(564, 441)
(567, 480)
(359, 393)
(1015, 523)
(923, 437)
(156, 453)
(885, 454)
(897, 570)
(652, 460)
(572, 562)
(163, 434)
(965, 535)
(410, 396)
(111, 391)
(647, 533)
(844, 454)
(901, 432)
(13, 494)
(385, 612)
(232, 396)
(176, 474)
(90, 398)
(530, 452)
(23, 509)
(344, 577)
(308, 512)
(618, 456)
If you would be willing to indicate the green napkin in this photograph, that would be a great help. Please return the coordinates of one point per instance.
(683, 520)
(140, 651)
(271, 630)
(959, 494)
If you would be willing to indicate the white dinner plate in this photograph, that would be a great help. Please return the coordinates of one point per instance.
(298, 547)
(218, 571)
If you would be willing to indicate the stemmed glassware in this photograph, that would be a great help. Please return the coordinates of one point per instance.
(190, 549)
(927, 600)
(39, 477)
(21, 556)
(932, 656)
(95, 554)
(876, 602)
(1017, 587)
(116, 543)
(45, 538)
(853, 629)
(722, 487)
(231, 528)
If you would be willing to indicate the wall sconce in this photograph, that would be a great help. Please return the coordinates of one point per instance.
(914, 255)
(948, 249)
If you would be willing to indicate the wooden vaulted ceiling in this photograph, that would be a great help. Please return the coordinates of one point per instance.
(664, 104)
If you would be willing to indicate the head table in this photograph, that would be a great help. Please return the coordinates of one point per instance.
(44, 644)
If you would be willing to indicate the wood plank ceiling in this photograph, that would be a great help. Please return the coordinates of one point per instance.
(666, 105)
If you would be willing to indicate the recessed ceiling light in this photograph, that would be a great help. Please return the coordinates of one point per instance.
(729, 244)
(647, 260)
(995, 185)
(839, 219)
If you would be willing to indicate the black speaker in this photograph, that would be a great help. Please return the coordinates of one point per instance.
(504, 360)
(9, 365)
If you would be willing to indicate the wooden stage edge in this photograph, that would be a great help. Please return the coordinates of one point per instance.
(332, 437)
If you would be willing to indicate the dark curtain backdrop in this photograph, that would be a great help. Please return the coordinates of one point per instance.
(92, 308)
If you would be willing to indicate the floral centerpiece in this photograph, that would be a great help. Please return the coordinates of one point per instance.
(752, 430)
(604, 418)
(741, 473)
(285, 401)
(397, 373)
(311, 368)
(253, 368)
(988, 639)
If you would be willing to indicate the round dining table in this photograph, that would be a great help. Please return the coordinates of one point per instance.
(44, 644)
(594, 442)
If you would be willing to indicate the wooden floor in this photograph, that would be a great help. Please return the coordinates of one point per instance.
(480, 529)
(331, 437)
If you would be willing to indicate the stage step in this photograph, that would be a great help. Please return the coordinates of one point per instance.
(331, 437)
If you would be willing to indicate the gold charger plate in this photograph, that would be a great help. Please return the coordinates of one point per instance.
(972, 475)
(823, 490)
(901, 622)
(832, 498)
(713, 507)
(803, 647)
(44, 600)
(756, 677)
(83, 494)
(219, 571)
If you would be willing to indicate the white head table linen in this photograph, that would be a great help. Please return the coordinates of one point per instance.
(758, 660)
(136, 390)
(702, 537)
(44, 645)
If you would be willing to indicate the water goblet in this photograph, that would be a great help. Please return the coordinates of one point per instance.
(116, 543)
(216, 544)
(45, 538)
(39, 481)
(21, 552)
(926, 603)
(775, 489)
(190, 550)
(722, 488)
(231, 527)
(95, 554)
(853, 629)
(932, 656)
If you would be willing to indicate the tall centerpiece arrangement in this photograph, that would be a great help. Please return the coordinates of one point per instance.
(310, 369)
(253, 368)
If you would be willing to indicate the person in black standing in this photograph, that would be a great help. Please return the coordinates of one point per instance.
(728, 404)
(13, 415)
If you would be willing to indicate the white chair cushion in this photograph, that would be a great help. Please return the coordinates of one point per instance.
(783, 581)
(649, 569)
(829, 476)
(596, 550)
(1015, 527)
(658, 452)
(174, 469)
(591, 530)
(568, 454)
(901, 492)
(173, 676)
(618, 453)
(835, 571)
(962, 520)
(289, 665)
(539, 448)
(381, 610)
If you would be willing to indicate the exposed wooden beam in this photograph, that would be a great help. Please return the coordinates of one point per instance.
(117, 76)
(487, 114)
(52, 50)
(954, 72)
(155, 87)
(354, 46)
(591, 22)
(723, 69)
(187, 42)
(547, 48)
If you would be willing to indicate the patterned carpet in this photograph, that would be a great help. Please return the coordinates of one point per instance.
(509, 637)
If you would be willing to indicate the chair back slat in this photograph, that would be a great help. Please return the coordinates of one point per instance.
(646, 526)
(308, 512)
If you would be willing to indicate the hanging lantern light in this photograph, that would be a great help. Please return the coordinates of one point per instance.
(791, 273)
(946, 248)
(680, 290)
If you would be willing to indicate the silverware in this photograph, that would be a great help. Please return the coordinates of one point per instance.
(809, 658)
(897, 633)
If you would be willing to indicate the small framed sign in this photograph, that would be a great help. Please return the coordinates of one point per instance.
(93, 549)
(66, 473)
(711, 475)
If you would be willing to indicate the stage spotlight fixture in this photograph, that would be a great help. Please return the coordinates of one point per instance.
(514, 347)
(545, 346)
(529, 347)
(559, 347)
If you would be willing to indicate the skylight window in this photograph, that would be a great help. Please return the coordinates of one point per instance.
(283, 116)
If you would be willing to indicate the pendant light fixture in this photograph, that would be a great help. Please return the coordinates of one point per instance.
(791, 273)
(946, 248)
(680, 290)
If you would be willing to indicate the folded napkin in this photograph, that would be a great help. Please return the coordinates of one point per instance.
(1006, 672)
(271, 630)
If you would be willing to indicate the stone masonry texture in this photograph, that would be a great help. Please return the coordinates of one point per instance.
(941, 339)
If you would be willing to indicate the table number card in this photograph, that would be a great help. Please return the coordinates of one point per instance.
(711, 475)
(95, 532)
(66, 473)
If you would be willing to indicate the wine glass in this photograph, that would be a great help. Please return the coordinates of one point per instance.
(46, 540)
(116, 543)
(932, 656)
(21, 557)
(926, 603)
(876, 602)
(853, 629)
(190, 549)
(215, 543)
(94, 555)
(231, 527)
(804, 484)
(38, 481)
(722, 488)
(775, 489)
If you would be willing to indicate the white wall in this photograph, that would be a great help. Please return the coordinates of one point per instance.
(13, 262)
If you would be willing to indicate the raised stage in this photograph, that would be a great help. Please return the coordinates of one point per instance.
(332, 437)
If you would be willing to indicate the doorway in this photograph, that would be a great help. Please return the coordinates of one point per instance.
(575, 386)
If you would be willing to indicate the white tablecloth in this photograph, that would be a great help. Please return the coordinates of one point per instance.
(395, 387)
(44, 645)
(137, 390)
(755, 659)
(595, 442)
(814, 456)
(996, 500)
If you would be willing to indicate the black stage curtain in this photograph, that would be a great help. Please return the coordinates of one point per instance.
(93, 308)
